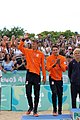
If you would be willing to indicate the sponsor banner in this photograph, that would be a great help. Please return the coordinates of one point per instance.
(13, 78)
(19, 77)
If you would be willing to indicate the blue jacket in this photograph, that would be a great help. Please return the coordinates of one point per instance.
(74, 71)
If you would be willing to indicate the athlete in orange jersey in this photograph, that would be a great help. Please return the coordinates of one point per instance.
(56, 64)
(35, 60)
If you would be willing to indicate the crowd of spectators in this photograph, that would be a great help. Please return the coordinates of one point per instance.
(11, 58)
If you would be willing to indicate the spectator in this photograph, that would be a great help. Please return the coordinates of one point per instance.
(7, 64)
(70, 51)
(17, 52)
(68, 59)
(27, 42)
(1, 56)
(21, 63)
(13, 58)
(13, 40)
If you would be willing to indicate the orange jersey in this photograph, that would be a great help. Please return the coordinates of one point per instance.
(56, 72)
(34, 59)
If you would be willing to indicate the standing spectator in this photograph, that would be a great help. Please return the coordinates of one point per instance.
(13, 58)
(13, 40)
(40, 40)
(56, 64)
(74, 75)
(35, 60)
(21, 63)
(4, 43)
(70, 51)
(77, 40)
(68, 59)
(27, 42)
(1, 56)
(17, 52)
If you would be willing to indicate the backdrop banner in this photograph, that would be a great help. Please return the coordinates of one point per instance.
(13, 89)
(6, 97)
(19, 99)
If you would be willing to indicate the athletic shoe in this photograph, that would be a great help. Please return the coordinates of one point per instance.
(29, 111)
(59, 112)
(55, 113)
(35, 115)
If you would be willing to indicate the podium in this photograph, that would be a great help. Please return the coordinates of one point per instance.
(47, 117)
(75, 114)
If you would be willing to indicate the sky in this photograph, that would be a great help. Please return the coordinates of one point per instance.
(37, 16)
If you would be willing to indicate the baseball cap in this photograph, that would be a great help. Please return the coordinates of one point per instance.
(70, 48)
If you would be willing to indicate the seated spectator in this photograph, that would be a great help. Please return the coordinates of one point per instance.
(7, 64)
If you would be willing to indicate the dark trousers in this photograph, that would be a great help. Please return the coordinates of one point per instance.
(57, 91)
(75, 89)
(33, 79)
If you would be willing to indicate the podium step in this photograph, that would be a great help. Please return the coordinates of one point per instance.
(47, 117)
(75, 114)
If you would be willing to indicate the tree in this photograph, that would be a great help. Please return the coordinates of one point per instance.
(17, 31)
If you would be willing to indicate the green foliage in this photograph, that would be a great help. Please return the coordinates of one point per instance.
(55, 35)
(18, 31)
(68, 33)
(32, 35)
